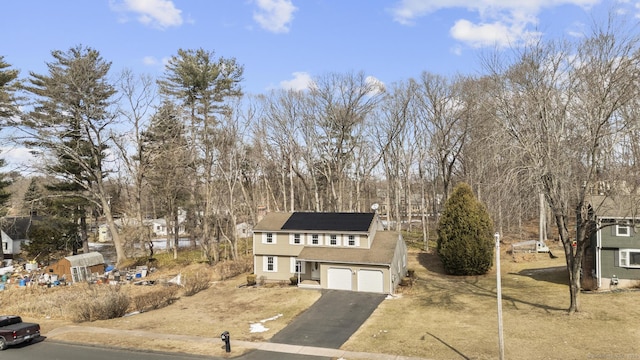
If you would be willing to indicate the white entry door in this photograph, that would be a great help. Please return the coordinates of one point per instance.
(370, 281)
(315, 271)
(339, 279)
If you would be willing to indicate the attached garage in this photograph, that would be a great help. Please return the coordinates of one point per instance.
(339, 279)
(371, 281)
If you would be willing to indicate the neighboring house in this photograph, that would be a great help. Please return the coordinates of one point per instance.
(244, 230)
(79, 267)
(158, 226)
(344, 251)
(613, 256)
(14, 234)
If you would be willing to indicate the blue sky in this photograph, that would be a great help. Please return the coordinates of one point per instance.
(282, 43)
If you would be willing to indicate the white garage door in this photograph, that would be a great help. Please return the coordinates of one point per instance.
(370, 281)
(339, 279)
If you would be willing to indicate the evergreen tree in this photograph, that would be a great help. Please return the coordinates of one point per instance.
(168, 174)
(33, 198)
(465, 234)
(47, 238)
(8, 109)
(71, 125)
(203, 84)
(8, 87)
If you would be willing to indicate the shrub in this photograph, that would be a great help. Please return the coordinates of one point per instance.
(251, 279)
(196, 282)
(293, 280)
(465, 234)
(99, 302)
(229, 269)
(155, 299)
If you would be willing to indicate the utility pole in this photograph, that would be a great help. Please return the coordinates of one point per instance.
(499, 294)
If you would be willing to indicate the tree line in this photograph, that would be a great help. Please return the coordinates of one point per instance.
(556, 117)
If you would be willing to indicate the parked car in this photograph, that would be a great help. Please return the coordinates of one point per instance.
(13, 331)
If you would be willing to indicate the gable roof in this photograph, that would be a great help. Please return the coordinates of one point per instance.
(272, 221)
(329, 221)
(381, 252)
(88, 259)
(620, 206)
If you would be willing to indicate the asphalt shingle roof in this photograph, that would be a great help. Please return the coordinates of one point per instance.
(381, 251)
(329, 221)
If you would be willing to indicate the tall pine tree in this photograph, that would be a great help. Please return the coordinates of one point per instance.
(70, 126)
(8, 109)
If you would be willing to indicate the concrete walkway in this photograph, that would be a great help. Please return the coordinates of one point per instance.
(263, 346)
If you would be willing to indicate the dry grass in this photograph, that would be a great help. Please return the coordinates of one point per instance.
(445, 317)
(439, 316)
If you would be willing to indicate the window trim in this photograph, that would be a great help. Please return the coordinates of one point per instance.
(355, 239)
(265, 263)
(268, 238)
(624, 258)
(315, 237)
(292, 239)
(627, 228)
(333, 237)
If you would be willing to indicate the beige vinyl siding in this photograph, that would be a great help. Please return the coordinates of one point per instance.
(282, 271)
(280, 246)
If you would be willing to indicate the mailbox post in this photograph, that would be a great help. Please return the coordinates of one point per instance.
(226, 339)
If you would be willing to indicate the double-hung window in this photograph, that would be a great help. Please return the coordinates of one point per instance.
(296, 239)
(623, 229)
(315, 239)
(351, 241)
(629, 258)
(333, 240)
(270, 263)
(269, 239)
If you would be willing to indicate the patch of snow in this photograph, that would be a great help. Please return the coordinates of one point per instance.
(393, 297)
(271, 318)
(259, 326)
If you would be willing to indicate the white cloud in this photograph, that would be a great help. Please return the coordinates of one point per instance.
(150, 61)
(274, 15)
(376, 85)
(480, 35)
(300, 81)
(502, 22)
(156, 13)
(153, 61)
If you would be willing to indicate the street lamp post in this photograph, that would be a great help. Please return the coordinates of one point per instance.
(499, 294)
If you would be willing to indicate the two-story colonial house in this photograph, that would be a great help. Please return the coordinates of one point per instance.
(613, 255)
(343, 251)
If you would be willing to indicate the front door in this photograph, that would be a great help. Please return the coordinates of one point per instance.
(315, 271)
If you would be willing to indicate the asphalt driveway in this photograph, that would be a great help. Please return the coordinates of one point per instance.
(331, 320)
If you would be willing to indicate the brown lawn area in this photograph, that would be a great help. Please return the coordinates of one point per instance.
(438, 317)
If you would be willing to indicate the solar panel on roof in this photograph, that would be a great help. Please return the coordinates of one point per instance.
(329, 221)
